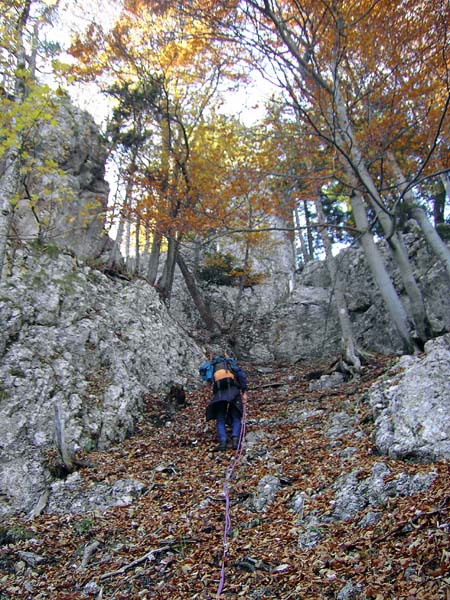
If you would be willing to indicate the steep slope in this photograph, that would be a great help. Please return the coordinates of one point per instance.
(313, 511)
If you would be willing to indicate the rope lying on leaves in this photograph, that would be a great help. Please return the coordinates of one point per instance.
(226, 492)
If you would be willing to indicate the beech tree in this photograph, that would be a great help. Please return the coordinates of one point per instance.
(350, 353)
(356, 91)
(174, 75)
(378, 104)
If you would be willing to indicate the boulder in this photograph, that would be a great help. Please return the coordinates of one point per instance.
(411, 405)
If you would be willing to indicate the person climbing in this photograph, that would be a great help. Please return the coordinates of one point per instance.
(229, 386)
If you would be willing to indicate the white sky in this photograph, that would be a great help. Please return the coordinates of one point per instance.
(76, 15)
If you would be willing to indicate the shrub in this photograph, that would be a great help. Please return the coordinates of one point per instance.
(222, 269)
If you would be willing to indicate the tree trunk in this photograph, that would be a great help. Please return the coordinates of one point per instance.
(9, 183)
(380, 274)
(128, 242)
(146, 250)
(416, 301)
(445, 178)
(438, 246)
(165, 282)
(439, 200)
(137, 262)
(305, 253)
(396, 244)
(211, 324)
(153, 261)
(309, 235)
(65, 453)
(115, 250)
(349, 346)
(237, 302)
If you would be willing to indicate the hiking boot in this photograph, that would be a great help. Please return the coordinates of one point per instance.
(235, 443)
(220, 447)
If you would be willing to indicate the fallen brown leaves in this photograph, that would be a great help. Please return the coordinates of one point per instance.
(169, 543)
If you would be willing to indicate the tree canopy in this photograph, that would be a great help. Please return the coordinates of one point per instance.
(358, 114)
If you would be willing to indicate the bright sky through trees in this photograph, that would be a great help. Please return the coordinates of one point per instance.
(246, 102)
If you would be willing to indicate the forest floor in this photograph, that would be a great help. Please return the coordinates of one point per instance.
(169, 543)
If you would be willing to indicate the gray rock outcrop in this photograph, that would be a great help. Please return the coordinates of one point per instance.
(69, 199)
(353, 494)
(304, 325)
(78, 353)
(411, 405)
(74, 496)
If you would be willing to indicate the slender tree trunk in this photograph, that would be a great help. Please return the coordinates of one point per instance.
(9, 183)
(115, 250)
(416, 301)
(10, 179)
(153, 261)
(137, 263)
(238, 300)
(128, 242)
(65, 453)
(165, 282)
(439, 201)
(438, 246)
(309, 235)
(211, 324)
(124, 218)
(146, 250)
(445, 178)
(348, 343)
(304, 249)
(380, 274)
(396, 244)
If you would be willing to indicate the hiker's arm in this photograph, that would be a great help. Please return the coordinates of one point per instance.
(242, 379)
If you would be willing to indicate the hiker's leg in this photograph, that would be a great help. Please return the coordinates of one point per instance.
(220, 422)
(235, 421)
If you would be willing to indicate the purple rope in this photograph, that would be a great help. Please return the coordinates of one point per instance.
(237, 456)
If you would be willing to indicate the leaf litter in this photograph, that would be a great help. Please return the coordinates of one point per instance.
(169, 542)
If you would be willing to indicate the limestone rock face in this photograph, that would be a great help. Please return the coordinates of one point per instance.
(69, 201)
(78, 352)
(304, 325)
(412, 405)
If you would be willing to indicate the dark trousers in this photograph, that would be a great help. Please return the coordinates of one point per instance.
(227, 412)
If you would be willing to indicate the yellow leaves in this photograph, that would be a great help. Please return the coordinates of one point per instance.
(17, 119)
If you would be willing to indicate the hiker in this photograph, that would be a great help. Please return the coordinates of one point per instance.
(229, 397)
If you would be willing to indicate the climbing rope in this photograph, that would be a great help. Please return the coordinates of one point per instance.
(226, 492)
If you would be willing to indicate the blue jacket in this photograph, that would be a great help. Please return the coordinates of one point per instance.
(231, 394)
